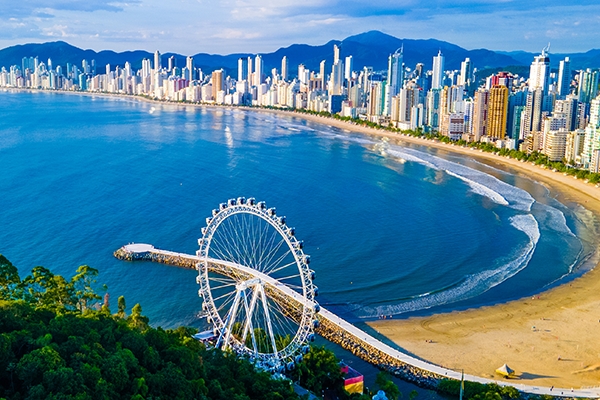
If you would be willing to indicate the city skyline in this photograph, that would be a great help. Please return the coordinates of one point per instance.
(192, 26)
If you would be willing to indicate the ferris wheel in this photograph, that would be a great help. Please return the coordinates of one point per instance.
(256, 284)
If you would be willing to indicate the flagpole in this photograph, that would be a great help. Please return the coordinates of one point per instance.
(462, 384)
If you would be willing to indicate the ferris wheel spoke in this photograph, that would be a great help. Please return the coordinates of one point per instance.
(268, 247)
(273, 267)
(282, 318)
(288, 277)
(269, 258)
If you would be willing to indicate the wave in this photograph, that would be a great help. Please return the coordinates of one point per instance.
(480, 189)
(473, 284)
(480, 182)
(555, 219)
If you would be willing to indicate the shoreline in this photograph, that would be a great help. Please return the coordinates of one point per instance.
(549, 339)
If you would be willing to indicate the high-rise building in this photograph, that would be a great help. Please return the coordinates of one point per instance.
(564, 78)
(217, 83)
(189, 64)
(172, 63)
(497, 112)
(157, 61)
(466, 73)
(250, 75)
(284, 68)
(322, 75)
(258, 70)
(588, 85)
(592, 133)
(395, 78)
(349, 65)
(539, 72)
(336, 53)
(438, 71)
(242, 69)
(337, 78)
(479, 115)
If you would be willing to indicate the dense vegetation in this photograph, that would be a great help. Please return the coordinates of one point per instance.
(56, 343)
(59, 341)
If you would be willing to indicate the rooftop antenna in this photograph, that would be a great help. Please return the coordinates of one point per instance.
(546, 49)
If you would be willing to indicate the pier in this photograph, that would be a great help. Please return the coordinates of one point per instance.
(341, 332)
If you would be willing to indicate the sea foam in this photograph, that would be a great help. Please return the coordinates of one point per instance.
(473, 284)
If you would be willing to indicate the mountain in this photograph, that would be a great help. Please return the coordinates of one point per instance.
(367, 49)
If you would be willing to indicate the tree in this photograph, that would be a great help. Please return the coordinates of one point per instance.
(121, 307)
(385, 383)
(10, 281)
(136, 319)
(83, 285)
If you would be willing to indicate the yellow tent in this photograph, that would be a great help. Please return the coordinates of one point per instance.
(506, 371)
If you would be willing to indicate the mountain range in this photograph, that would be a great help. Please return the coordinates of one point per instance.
(367, 49)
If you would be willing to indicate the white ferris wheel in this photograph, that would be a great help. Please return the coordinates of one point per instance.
(256, 284)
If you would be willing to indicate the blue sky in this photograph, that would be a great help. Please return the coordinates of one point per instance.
(228, 26)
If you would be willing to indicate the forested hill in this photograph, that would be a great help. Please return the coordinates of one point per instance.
(55, 344)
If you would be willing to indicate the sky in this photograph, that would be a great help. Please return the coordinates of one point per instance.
(258, 26)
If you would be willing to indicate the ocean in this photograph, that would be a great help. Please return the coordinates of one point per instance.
(392, 229)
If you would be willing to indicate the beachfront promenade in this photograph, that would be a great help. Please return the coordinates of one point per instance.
(342, 332)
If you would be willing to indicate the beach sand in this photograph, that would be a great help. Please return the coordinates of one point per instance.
(550, 339)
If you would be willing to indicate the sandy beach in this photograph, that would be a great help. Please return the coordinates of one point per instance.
(550, 339)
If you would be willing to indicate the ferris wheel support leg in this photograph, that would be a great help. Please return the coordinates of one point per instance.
(248, 326)
(268, 319)
(231, 318)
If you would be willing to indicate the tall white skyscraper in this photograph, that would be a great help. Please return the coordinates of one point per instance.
(395, 78)
(466, 72)
(349, 65)
(157, 62)
(250, 71)
(564, 77)
(539, 72)
(284, 68)
(322, 75)
(258, 70)
(336, 53)
(337, 78)
(189, 64)
(242, 69)
(438, 71)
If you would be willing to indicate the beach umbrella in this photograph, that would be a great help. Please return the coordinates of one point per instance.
(505, 371)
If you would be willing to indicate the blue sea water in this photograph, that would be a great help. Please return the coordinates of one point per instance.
(393, 229)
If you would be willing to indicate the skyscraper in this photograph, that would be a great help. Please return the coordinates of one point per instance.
(157, 62)
(539, 72)
(466, 72)
(438, 71)
(564, 78)
(242, 69)
(336, 53)
(349, 65)
(322, 75)
(592, 133)
(250, 75)
(258, 70)
(217, 83)
(588, 85)
(497, 112)
(284, 68)
(395, 78)
(189, 64)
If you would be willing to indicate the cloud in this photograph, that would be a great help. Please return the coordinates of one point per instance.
(38, 8)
